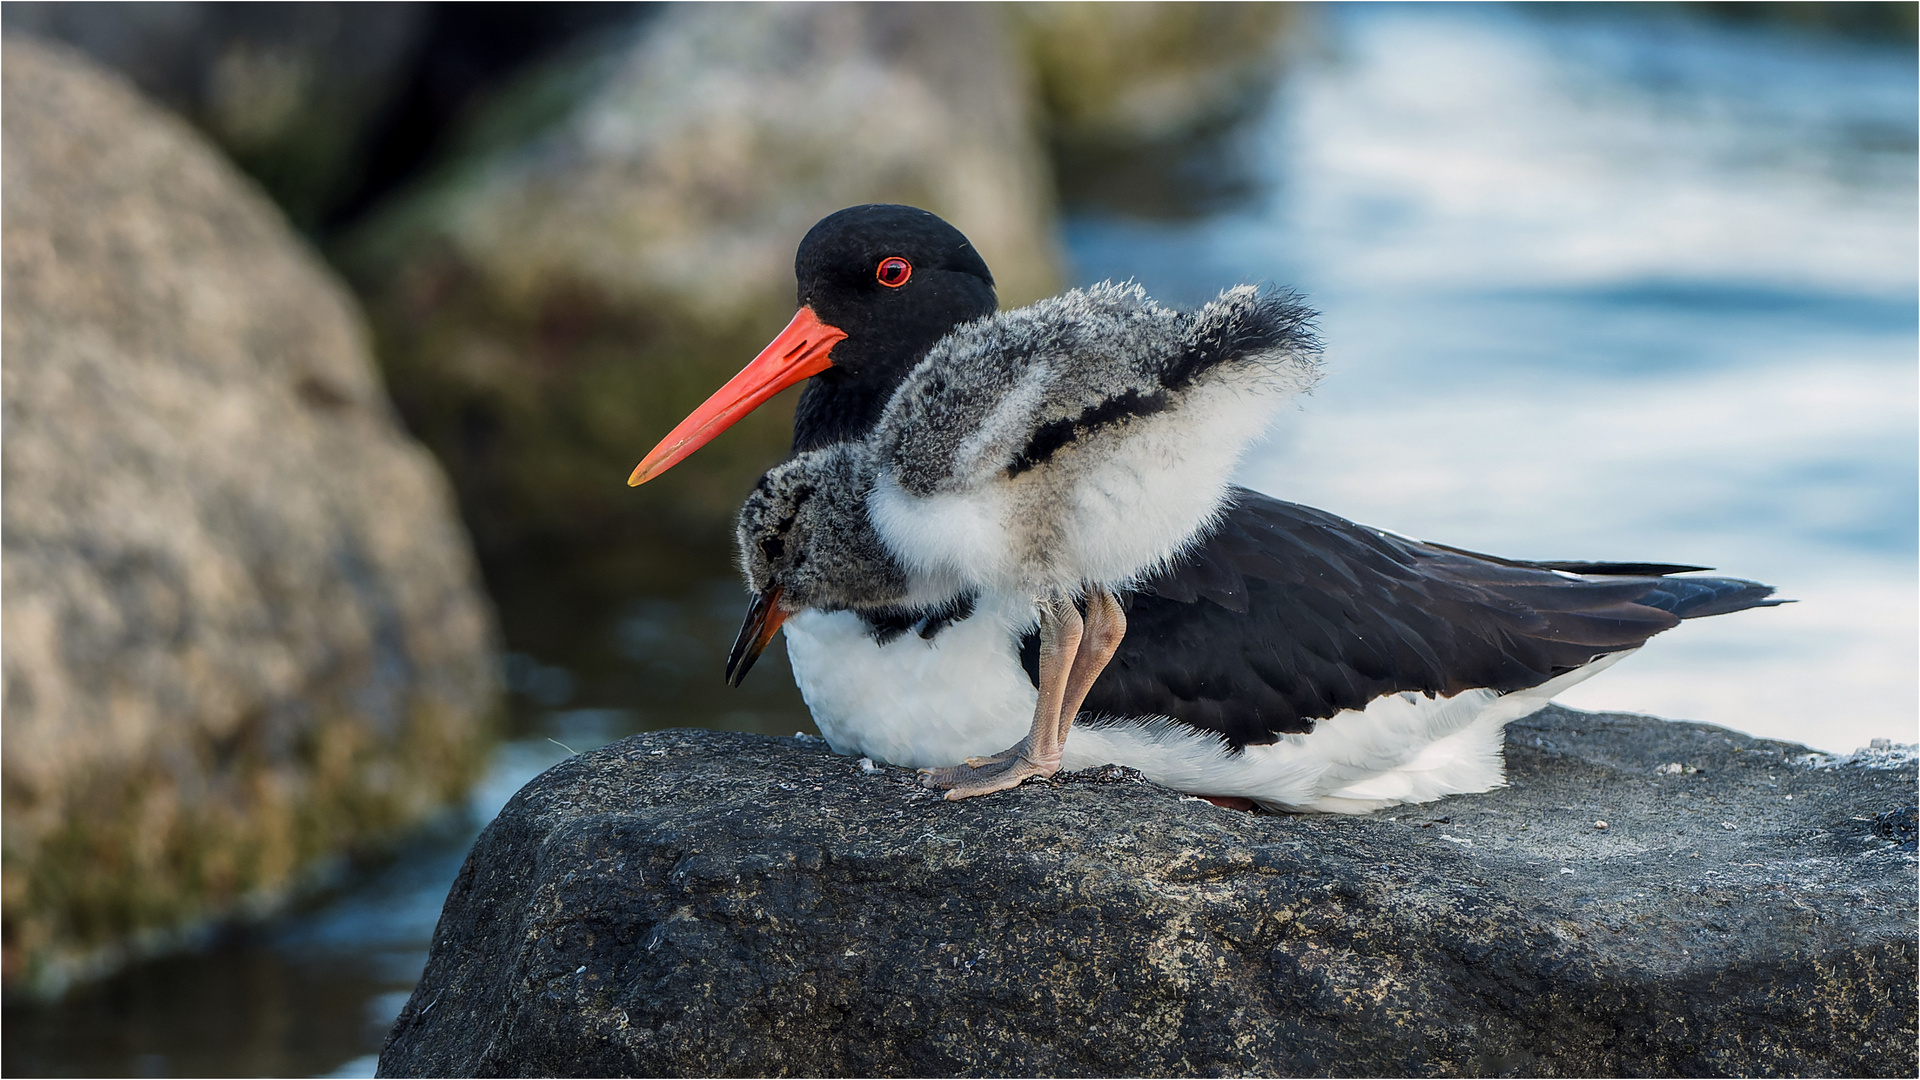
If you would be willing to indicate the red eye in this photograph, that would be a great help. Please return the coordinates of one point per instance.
(893, 272)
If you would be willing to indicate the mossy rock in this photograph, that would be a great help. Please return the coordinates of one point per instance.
(243, 630)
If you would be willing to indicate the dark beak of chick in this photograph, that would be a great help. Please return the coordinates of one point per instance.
(764, 617)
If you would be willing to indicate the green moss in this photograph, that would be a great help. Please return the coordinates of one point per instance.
(147, 851)
(1147, 72)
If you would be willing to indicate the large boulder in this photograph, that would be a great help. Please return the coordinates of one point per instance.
(616, 238)
(242, 628)
(1644, 898)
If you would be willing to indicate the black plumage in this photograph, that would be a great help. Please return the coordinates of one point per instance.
(1285, 615)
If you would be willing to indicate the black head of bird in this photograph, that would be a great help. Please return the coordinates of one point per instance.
(877, 286)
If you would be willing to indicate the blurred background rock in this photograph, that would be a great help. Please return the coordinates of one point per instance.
(1139, 102)
(243, 628)
(327, 105)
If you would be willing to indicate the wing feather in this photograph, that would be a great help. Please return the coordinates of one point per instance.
(1286, 615)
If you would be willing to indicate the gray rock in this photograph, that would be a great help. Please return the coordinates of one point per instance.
(692, 903)
(242, 624)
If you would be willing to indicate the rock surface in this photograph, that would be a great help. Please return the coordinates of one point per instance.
(242, 627)
(692, 903)
(617, 236)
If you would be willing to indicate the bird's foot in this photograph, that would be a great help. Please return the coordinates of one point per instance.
(997, 773)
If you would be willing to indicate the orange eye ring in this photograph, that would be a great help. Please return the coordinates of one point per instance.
(893, 271)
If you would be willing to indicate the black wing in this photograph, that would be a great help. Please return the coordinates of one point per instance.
(1287, 615)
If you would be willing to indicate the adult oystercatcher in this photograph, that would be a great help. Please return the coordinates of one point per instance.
(1050, 454)
(1289, 656)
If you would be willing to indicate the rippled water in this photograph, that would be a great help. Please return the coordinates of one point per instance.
(1593, 287)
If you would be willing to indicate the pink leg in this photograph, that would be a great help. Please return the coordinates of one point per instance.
(1073, 652)
(1038, 754)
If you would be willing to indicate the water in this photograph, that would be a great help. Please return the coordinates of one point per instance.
(1636, 289)
(1595, 286)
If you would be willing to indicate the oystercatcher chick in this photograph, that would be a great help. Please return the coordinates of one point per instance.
(1288, 656)
(1046, 456)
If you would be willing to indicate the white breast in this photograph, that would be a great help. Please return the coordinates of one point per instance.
(1132, 501)
(914, 702)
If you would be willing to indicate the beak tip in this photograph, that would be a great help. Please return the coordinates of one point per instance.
(803, 349)
(763, 620)
(644, 471)
(737, 667)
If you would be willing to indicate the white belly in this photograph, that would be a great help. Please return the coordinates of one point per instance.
(914, 702)
(926, 704)
(1402, 748)
(1107, 510)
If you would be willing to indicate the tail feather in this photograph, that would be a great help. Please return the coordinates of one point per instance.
(1591, 569)
(1621, 569)
(1685, 597)
(1696, 598)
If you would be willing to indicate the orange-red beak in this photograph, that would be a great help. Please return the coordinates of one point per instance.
(764, 616)
(801, 350)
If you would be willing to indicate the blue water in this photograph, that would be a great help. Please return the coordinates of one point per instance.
(1596, 285)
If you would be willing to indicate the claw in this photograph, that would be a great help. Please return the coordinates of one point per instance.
(966, 781)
